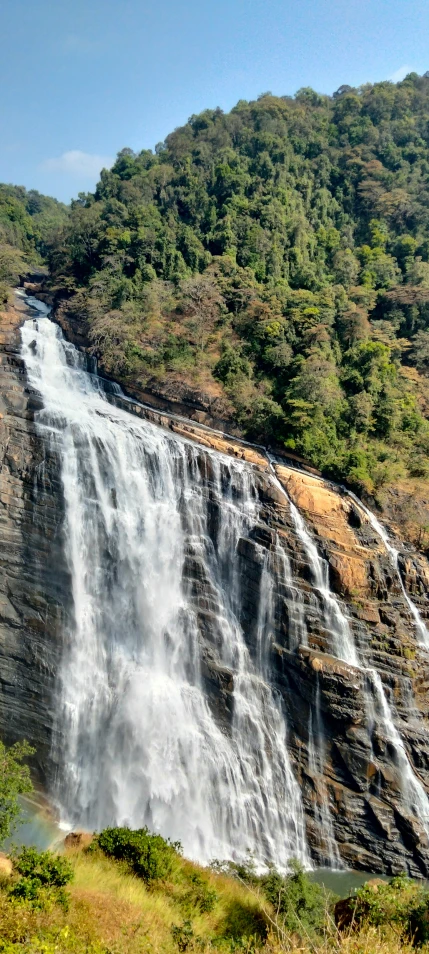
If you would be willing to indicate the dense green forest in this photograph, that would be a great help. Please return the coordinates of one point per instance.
(28, 222)
(277, 258)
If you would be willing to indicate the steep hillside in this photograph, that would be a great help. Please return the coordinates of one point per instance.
(270, 267)
(28, 221)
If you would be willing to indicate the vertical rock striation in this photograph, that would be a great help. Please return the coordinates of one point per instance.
(34, 580)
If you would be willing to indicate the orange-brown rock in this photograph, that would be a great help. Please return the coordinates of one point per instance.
(78, 840)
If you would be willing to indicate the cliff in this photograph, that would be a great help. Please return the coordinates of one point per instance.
(34, 582)
(352, 790)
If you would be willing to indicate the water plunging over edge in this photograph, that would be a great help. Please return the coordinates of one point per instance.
(394, 558)
(343, 647)
(141, 743)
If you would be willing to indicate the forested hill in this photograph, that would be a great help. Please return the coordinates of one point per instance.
(275, 258)
(28, 222)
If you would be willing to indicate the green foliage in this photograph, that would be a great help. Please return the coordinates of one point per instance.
(300, 904)
(111, 910)
(400, 902)
(28, 222)
(200, 896)
(14, 781)
(183, 935)
(44, 877)
(278, 258)
(150, 857)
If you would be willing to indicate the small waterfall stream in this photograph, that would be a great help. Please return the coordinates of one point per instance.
(394, 557)
(415, 798)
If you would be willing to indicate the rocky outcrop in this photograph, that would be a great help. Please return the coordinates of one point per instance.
(352, 789)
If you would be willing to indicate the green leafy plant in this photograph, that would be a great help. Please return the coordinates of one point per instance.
(183, 935)
(300, 904)
(151, 857)
(43, 877)
(200, 896)
(14, 781)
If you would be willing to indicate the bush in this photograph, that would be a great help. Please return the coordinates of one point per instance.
(300, 903)
(43, 877)
(14, 780)
(417, 924)
(183, 935)
(400, 902)
(150, 857)
(4, 294)
(200, 896)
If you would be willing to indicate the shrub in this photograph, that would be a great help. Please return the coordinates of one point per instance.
(43, 877)
(183, 935)
(151, 857)
(417, 924)
(300, 903)
(200, 896)
(400, 902)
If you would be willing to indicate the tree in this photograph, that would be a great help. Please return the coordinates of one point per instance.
(14, 780)
(202, 303)
(419, 353)
(293, 236)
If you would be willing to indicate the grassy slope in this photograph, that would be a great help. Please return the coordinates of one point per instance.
(112, 912)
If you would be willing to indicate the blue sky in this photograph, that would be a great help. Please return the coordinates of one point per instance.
(82, 79)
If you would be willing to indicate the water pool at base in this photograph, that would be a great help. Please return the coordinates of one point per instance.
(343, 883)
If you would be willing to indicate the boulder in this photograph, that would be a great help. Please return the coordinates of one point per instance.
(78, 840)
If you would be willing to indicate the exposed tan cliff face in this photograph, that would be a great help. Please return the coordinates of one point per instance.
(329, 515)
(358, 779)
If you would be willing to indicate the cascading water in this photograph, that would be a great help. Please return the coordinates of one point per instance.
(138, 741)
(316, 764)
(153, 529)
(342, 646)
(394, 557)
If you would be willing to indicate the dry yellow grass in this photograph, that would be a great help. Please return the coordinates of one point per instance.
(113, 912)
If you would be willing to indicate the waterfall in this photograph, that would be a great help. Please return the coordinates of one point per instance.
(336, 623)
(316, 764)
(394, 558)
(152, 531)
(342, 646)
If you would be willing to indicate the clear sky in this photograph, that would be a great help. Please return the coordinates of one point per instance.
(81, 79)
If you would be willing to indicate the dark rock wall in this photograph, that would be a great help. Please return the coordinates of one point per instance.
(34, 582)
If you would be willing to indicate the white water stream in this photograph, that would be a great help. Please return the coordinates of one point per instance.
(394, 557)
(415, 798)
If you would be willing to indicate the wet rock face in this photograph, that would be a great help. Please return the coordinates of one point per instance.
(34, 583)
(353, 789)
(372, 828)
(350, 784)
